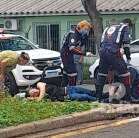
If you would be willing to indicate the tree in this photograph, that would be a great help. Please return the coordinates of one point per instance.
(90, 7)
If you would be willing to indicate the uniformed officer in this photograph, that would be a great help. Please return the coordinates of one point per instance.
(72, 44)
(113, 39)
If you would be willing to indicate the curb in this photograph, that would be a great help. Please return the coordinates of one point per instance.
(106, 113)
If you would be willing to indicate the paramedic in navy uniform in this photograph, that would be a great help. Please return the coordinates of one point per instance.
(115, 39)
(72, 44)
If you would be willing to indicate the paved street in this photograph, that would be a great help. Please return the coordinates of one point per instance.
(126, 131)
(123, 129)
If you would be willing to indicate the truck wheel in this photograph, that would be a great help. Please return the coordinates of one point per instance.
(10, 84)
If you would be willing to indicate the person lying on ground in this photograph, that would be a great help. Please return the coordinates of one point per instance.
(9, 60)
(59, 93)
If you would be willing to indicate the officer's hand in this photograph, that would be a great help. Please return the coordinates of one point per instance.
(121, 51)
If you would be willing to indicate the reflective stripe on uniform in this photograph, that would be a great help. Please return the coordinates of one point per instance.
(102, 74)
(69, 74)
(125, 75)
(103, 35)
(72, 74)
(119, 33)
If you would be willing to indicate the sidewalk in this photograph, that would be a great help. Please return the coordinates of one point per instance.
(106, 112)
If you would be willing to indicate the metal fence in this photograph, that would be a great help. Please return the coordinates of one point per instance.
(48, 36)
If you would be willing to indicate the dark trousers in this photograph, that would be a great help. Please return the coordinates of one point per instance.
(110, 61)
(68, 80)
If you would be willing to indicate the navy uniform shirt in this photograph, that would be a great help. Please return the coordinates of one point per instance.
(71, 45)
(116, 36)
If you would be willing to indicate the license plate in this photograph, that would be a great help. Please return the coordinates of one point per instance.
(51, 73)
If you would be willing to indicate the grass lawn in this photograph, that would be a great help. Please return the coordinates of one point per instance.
(14, 111)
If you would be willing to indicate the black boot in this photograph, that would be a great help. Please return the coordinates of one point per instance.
(127, 96)
(99, 91)
(128, 93)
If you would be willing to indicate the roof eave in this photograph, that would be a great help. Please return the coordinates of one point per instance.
(42, 14)
(63, 13)
(118, 12)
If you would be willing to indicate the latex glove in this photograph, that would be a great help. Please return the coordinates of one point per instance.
(89, 54)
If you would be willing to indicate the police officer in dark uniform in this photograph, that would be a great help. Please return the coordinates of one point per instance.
(72, 44)
(114, 38)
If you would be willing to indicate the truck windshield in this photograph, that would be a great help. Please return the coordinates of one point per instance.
(15, 44)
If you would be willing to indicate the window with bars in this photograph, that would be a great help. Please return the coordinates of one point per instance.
(89, 44)
(47, 36)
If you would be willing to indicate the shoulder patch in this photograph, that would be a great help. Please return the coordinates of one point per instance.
(72, 40)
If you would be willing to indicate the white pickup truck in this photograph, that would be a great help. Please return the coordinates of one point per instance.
(23, 76)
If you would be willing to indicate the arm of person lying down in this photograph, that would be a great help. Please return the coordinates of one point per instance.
(42, 87)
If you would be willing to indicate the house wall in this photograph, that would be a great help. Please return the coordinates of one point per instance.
(64, 20)
(61, 20)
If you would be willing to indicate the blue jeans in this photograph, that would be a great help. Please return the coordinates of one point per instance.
(80, 94)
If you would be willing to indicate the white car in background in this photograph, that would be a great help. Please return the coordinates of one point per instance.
(134, 48)
(23, 76)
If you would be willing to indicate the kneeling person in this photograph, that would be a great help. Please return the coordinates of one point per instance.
(9, 60)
